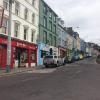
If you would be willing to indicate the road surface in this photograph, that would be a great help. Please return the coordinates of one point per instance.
(77, 81)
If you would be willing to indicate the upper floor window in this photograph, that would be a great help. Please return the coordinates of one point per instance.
(33, 18)
(25, 33)
(55, 41)
(54, 18)
(50, 25)
(17, 8)
(17, 25)
(45, 9)
(45, 37)
(45, 22)
(6, 4)
(26, 13)
(50, 14)
(33, 2)
(50, 39)
(55, 29)
(32, 36)
(5, 26)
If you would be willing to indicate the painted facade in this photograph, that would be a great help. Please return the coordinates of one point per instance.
(47, 30)
(24, 32)
(62, 36)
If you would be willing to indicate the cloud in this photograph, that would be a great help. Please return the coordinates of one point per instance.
(80, 13)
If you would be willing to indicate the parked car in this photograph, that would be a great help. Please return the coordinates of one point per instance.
(68, 59)
(98, 59)
(53, 60)
(81, 57)
(76, 58)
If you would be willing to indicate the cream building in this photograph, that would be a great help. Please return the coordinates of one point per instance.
(24, 30)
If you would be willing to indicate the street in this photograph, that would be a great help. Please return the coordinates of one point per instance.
(77, 81)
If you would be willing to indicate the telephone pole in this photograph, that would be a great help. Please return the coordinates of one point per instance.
(8, 66)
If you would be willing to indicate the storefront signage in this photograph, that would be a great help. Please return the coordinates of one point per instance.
(19, 44)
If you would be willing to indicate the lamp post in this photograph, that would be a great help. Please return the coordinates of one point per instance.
(9, 38)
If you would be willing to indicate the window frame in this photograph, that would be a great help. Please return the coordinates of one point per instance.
(18, 29)
(26, 38)
(17, 8)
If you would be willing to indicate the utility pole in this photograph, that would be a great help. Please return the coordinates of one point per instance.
(9, 39)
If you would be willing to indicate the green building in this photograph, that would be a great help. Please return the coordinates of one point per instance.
(47, 25)
(47, 42)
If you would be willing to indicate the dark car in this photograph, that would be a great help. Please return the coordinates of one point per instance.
(98, 59)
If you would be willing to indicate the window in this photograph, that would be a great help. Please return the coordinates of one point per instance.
(54, 18)
(55, 41)
(45, 22)
(33, 55)
(50, 36)
(45, 9)
(32, 36)
(16, 30)
(50, 14)
(26, 13)
(6, 4)
(54, 28)
(33, 2)
(45, 37)
(5, 25)
(17, 8)
(25, 33)
(33, 18)
(50, 25)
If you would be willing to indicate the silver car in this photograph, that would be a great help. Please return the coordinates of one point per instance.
(53, 60)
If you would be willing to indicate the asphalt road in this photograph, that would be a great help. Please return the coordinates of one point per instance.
(78, 81)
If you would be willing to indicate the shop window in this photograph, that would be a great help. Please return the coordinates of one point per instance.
(43, 53)
(33, 56)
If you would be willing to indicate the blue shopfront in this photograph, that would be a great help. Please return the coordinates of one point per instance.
(43, 50)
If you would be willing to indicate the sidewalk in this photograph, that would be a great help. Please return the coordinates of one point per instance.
(26, 70)
(15, 71)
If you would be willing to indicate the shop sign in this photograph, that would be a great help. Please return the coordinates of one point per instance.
(46, 48)
(3, 41)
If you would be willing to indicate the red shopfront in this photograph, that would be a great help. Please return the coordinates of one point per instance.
(22, 53)
(62, 52)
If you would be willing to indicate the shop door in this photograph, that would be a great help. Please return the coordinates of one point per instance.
(3, 57)
(0, 58)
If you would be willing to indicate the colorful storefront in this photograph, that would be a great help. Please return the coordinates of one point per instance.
(23, 54)
(62, 52)
(43, 50)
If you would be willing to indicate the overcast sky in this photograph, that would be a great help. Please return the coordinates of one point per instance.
(84, 14)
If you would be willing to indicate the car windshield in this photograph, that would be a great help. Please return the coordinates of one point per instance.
(49, 57)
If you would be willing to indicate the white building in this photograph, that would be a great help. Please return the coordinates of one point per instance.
(24, 31)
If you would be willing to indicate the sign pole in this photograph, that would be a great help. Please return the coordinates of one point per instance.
(8, 66)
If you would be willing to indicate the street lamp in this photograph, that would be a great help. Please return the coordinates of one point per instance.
(9, 38)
